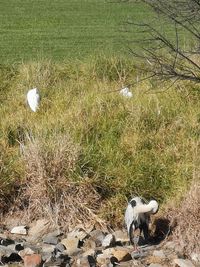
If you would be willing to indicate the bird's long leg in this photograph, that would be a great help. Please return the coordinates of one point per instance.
(136, 238)
(145, 230)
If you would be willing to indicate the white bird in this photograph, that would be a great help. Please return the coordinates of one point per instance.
(33, 99)
(125, 92)
(137, 217)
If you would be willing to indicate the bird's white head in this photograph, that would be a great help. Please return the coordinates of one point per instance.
(35, 90)
(154, 206)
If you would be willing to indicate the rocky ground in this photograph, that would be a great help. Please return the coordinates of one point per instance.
(42, 245)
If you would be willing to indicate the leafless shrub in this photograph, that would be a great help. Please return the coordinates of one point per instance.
(49, 190)
(169, 56)
(187, 219)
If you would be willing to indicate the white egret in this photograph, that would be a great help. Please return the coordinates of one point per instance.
(33, 99)
(137, 218)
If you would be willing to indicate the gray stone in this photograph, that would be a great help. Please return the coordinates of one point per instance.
(159, 254)
(47, 248)
(89, 252)
(11, 247)
(195, 257)
(5, 251)
(46, 257)
(31, 247)
(38, 229)
(170, 245)
(155, 265)
(78, 233)
(108, 241)
(6, 241)
(26, 251)
(103, 259)
(16, 247)
(87, 261)
(50, 239)
(135, 255)
(98, 237)
(121, 236)
(121, 253)
(183, 263)
(71, 245)
(130, 264)
(83, 262)
(20, 230)
(89, 244)
(60, 247)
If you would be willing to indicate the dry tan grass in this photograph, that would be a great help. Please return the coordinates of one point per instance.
(49, 190)
(187, 220)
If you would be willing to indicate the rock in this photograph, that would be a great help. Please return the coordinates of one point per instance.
(91, 261)
(5, 251)
(14, 257)
(138, 254)
(155, 265)
(34, 248)
(38, 229)
(121, 253)
(148, 248)
(108, 241)
(86, 262)
(103, 259)
(89, 244)
(107, 251)
(46, 257)
(183, 263)
(113, 261)
(47, 248)
(71, 245)
(154, 259)
(170, 245)
(60, 247)
(195, 257)
(52, 240)
(159, 254)
(19, 247)
(98, 237)
(6, 241)
(11, 247)
(129, 264)
(78, 233)
(26, 251)
(33, 260)
(20, 230)
(90, 252)
(121, 236)
(83, 262)
(16, 247)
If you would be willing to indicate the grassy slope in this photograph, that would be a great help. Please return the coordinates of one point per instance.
(146, 145)
(35, 29)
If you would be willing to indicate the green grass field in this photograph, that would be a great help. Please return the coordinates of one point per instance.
(63, 29)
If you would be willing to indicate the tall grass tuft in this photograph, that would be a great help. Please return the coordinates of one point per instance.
(186, 217)
(48, 187)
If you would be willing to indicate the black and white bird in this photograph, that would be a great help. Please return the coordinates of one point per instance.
(137, 218)
(33, 99)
